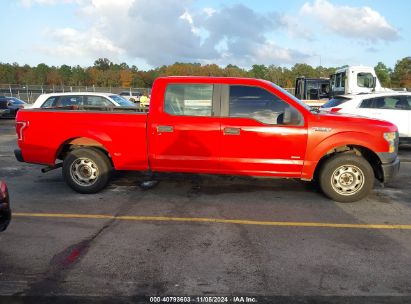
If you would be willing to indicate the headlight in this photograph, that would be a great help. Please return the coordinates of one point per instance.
(391, 137)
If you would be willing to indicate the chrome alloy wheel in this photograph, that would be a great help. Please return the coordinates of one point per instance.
(347, 180)
(84, 172)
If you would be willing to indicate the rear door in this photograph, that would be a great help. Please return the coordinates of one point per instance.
(185, 135)
(262, 134)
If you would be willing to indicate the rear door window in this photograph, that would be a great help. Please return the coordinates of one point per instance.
(67, 101)
(189, 100)
(404, 103)
(391, 102)
(97, 101)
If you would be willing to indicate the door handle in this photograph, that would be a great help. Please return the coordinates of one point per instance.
(165, 129)
(231, 131)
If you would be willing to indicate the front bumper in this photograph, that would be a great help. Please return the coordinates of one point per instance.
(390, 169)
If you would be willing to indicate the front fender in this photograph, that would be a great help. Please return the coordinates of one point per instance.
(316, 149)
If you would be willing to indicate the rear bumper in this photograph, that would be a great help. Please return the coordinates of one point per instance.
(18, 155)
(391, 169)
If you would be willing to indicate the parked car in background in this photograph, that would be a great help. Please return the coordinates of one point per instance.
(58, 100)
(3, 107)
(10, 105)
(132, 96)
(5, 210)
(394, 107)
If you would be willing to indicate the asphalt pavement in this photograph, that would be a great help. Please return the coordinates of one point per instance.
(200, 235)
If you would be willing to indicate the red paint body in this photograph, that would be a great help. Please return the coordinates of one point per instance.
(198, 144)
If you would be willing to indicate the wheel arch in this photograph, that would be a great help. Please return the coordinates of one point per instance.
(358, 150)
(362, 143)
(81, 142)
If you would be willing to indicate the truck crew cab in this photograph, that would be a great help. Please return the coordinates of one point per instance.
(211, 125)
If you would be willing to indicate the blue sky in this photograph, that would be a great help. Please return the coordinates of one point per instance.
(152, 33)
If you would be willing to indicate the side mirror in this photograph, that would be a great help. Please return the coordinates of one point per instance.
(291, 117)
(287, 116)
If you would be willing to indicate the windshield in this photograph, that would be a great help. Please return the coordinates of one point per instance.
(365, 80)
(16, 100)
(122, 101)
(291, 96)
(334, 102)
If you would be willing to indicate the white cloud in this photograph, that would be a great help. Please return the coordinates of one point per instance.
(296, 28)
(272, 53)
(209, 11)
(29, 3)
(73, 43)
(166, 31)
(352, 22)
(187, 16)
(240, 34)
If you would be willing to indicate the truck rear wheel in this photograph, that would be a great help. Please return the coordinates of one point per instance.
(86, 170)
(346, 178)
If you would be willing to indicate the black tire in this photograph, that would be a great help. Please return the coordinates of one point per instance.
(87, 163)
(346, 178)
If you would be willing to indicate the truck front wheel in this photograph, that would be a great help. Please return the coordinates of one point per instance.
(86, 170)
(346, 178)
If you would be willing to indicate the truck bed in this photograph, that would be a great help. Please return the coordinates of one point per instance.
(121, 131)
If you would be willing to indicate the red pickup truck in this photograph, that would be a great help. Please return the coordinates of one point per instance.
(212, 125)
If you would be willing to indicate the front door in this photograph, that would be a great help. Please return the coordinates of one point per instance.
(262, 134)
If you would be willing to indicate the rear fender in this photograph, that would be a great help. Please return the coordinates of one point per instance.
(91, 139)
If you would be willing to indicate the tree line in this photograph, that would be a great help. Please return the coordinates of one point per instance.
(105, 73)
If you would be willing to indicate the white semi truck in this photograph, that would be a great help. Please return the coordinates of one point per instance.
(355, 80)
(350, 80)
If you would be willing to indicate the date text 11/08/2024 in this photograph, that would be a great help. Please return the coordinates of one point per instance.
(204, 299)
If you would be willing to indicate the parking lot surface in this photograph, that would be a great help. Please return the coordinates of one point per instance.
(200, 235)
